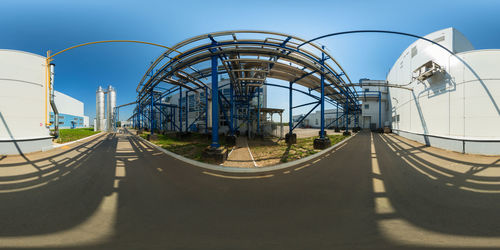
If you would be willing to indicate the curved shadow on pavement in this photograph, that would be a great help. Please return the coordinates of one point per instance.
(50, 194)
(440, 193)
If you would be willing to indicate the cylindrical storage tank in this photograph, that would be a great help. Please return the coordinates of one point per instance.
(99, 114)
(24, 105)
(111, 107)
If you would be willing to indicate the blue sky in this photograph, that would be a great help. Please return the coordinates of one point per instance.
(37, 26)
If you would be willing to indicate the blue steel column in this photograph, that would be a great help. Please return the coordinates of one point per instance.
(206, 110)
(215, 104)
(173, 119)
(152, 114)
(231, 108)
(187, 111)
(337, 121)
(180, 109)
(159, 117)
(139, 115)
(347, 115)
(322, 131)
(290, 121)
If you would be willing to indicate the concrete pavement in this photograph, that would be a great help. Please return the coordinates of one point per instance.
(240, 156)
(116, 192)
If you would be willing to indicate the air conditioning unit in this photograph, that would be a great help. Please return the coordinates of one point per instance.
(426, 70)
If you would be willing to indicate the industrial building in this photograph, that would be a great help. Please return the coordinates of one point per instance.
(440, 92)
(455, 97)
(70, 112)
(247, 59)
(375, 109)
(333, 118)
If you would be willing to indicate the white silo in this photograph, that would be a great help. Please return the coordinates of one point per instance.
(110, 108)
(24, 103)
(100, 115)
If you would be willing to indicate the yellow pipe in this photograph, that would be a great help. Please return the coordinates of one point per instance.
(112, 41)
(47, 82)
(49, 59)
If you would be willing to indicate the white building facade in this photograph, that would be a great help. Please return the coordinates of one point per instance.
(313, 119)
(455, 101)
(70, 112)
(375, 109)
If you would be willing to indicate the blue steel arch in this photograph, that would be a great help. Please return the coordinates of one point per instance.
(311, 65)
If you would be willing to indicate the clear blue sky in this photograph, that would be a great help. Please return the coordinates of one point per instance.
(37, 26)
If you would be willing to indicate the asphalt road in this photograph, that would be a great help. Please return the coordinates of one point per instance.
(115, 192)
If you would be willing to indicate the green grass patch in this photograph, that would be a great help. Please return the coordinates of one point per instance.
(286, 153)
(67, 135)
(191, 146)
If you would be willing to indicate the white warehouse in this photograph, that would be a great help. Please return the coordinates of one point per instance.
(455, 102)
(70, 112)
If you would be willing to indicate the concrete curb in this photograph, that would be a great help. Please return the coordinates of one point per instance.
(244, 170)
(69, 143)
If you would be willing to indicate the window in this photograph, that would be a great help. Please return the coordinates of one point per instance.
(414, 51)
(316, 121)
(439, 39)
(397, 118)
(366, 90)
(367, 106)
(61, 117)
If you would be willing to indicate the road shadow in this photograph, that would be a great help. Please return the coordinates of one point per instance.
(440, 193)
(50, 194)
